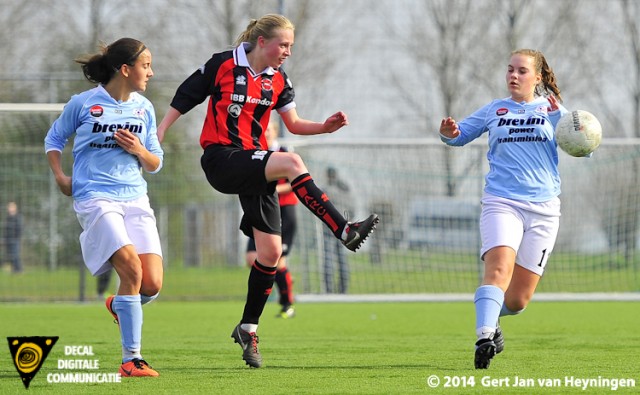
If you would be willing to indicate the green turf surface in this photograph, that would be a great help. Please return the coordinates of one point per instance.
(429, 274)
(358, 348)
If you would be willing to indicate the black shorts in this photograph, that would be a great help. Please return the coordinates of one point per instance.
(288, 214)
(239, 172)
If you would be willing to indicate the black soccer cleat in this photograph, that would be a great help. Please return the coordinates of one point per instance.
(498, 340)
(357, 232)
(249, 343)
(485, 350)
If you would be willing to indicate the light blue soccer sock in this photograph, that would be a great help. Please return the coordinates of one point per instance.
(144, 299)
(129, 311)
(505, 311)
(488, 301)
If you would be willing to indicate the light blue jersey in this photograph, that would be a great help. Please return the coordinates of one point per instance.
(101, 168)
(523, 153)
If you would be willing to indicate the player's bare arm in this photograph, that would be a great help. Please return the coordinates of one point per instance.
(297, 125)
(449, 128)
(130, 143)
(63, 180)
(170, 117)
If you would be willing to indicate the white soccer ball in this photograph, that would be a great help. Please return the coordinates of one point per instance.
(578, 133)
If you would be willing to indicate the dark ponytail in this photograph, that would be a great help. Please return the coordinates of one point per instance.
(102, 66)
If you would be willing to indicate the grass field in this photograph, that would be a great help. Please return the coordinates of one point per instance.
(416, 274)
(349, 348)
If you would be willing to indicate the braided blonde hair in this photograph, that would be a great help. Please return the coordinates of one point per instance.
(548, 84)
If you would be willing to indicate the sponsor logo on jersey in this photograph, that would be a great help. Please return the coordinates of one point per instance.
(267, 84)
(502, 111)
(542, 109)
(521, 130)
(234, 110)
(523, 139)
(113, 127)
(241, 80)
(96, 111)
(520, 121)
(259, 100)
(238, 98)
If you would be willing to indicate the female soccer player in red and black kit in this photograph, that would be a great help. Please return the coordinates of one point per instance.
(243, 85)
(288, 201)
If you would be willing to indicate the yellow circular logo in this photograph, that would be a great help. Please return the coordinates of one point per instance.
(28, 357)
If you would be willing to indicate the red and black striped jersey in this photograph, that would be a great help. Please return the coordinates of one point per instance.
(240, 100)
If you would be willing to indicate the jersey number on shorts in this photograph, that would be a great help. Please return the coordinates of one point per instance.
(259, 155)
(544, 252)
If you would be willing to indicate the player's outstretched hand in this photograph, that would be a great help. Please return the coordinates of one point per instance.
(449, 128)
(335, 122)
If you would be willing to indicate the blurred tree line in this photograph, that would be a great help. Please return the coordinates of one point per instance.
(402, 64)
(395, 66)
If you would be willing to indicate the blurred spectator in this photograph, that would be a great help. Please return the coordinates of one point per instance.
(12, 236)
(103, 281)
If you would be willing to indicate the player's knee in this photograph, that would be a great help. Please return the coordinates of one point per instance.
(130, 275)
(151, 286)
(270, 258)
(128, 266)
(499, 276)
(296, 163)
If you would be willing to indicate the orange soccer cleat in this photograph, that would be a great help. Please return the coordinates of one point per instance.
(108, 303)
(137, 368)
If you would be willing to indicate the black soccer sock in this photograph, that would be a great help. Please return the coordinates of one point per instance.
(260, 283)
(318, 203)
(285, 286)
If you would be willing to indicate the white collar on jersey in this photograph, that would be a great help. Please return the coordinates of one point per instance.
(240, 59)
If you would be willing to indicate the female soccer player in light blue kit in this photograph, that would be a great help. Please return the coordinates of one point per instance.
(520, 205)
(115, 139)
